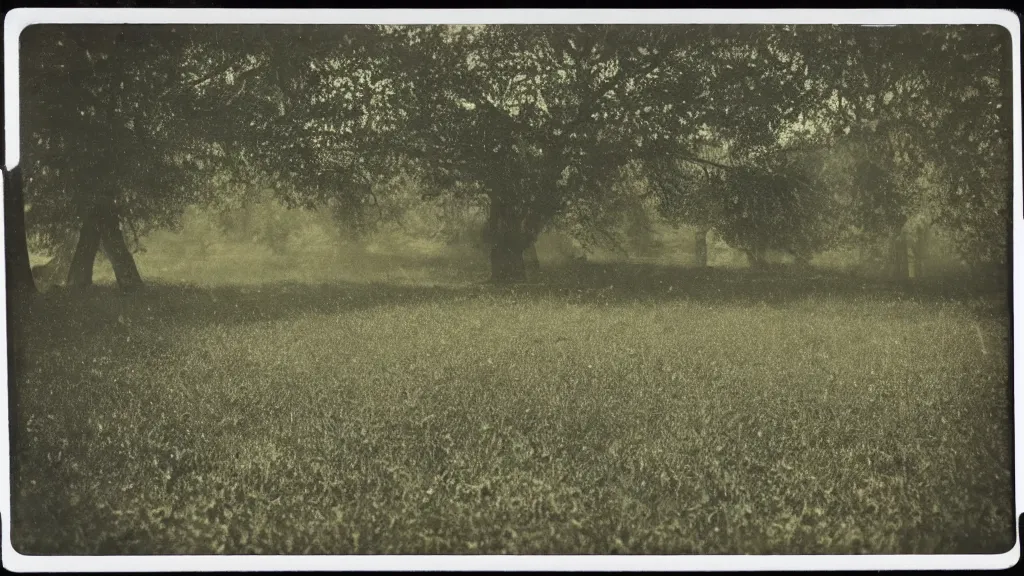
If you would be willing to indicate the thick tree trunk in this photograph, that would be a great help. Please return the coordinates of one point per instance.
(507, 245)
(507, 265)
(116, 250)
(899, 260)
(530, 259)
(19, 281)
(102, 228)
(19, 269)
(701, 247)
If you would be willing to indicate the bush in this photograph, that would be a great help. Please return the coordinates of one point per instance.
(774, 210)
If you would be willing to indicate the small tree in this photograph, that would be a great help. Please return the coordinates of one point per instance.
(773, 211)
(690, 193)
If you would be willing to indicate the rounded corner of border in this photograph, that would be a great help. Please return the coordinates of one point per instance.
(16, 21)
(1009, 20)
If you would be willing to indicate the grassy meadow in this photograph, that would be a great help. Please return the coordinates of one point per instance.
(364, 402)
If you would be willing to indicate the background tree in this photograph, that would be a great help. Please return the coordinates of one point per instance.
(542, 125)
(971, 139)
(921, 129)
(693, 194)
(287, 107)
(321, 114)
(528, 117)
(103, 149)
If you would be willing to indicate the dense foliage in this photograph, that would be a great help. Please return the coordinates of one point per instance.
(780, 137)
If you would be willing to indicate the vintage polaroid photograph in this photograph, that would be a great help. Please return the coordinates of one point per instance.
(514, 289)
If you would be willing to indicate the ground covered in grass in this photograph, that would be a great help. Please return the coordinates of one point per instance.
(616, 409)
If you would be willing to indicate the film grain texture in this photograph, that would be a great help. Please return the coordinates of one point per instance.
(511, 289)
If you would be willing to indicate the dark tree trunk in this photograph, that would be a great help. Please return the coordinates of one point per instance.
(530, 258)
(80, 272)
(701, 247)
(116, 250)
(899, 260)
(19, 269)
(19, 281)
(102, 228)
(507, 265)
(507, 245)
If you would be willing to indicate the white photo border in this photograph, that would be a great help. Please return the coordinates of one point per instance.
(18, 19)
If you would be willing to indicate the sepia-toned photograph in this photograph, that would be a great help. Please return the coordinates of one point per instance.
(510, 289)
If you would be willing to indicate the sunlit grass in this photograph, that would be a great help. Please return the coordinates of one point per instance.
(616, 409)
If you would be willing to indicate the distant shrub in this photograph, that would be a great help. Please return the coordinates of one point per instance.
(774, 210)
